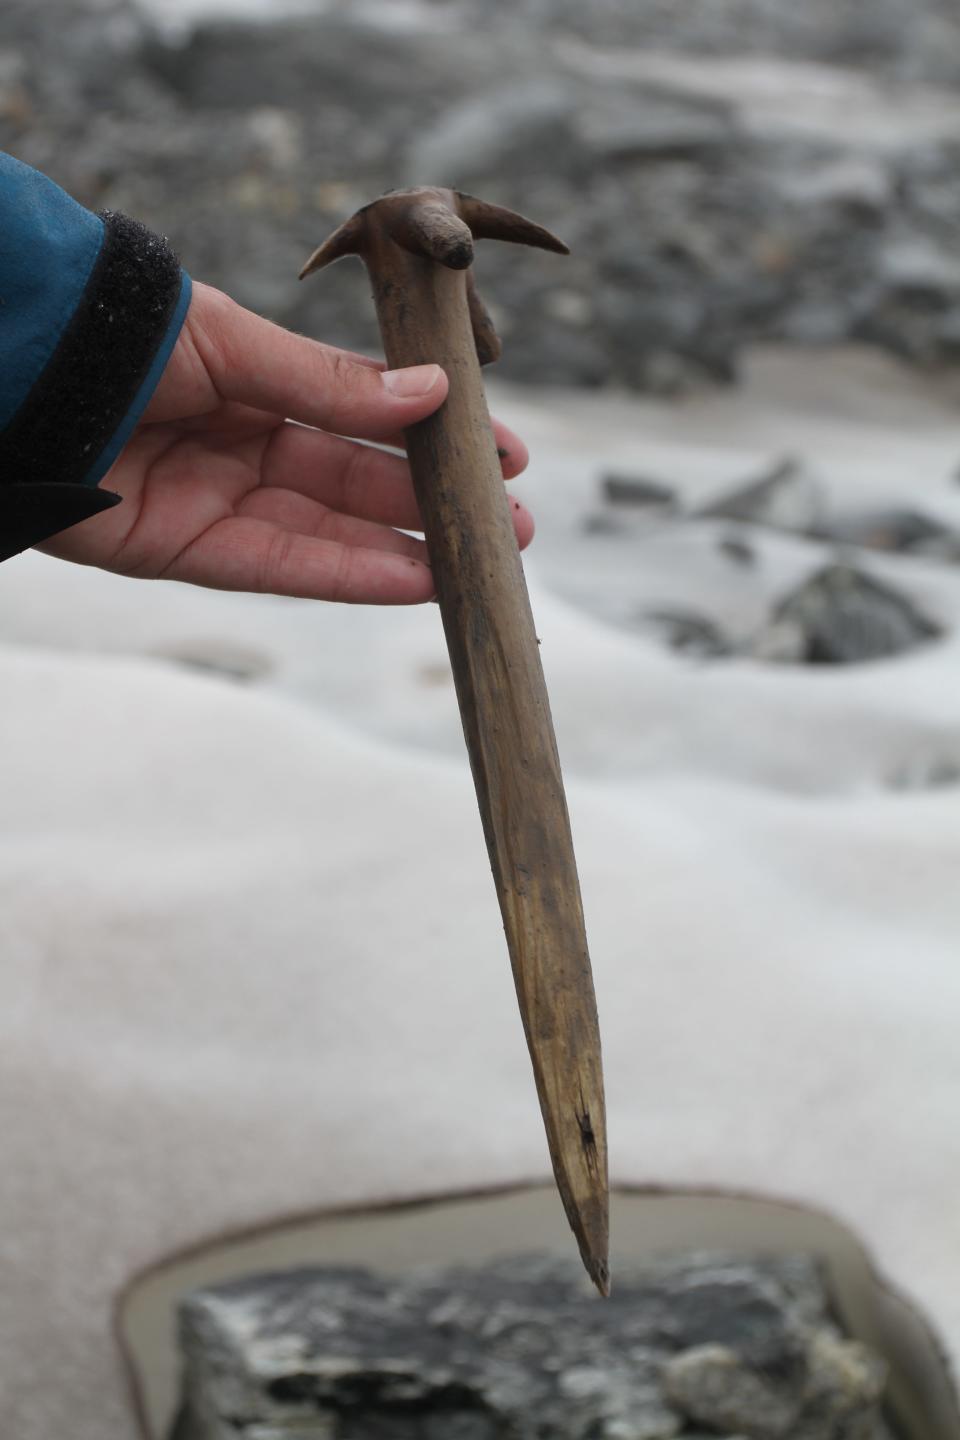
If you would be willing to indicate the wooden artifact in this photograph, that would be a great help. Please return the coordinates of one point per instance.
(418, 248)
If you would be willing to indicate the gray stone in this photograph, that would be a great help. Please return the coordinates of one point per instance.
(841, 616)
(602, 522)
(513, 132)
(628, 125)
(926, 772)
(638, 491)
(695, 232)
(833, 1390)
(897, 530)
(737, 549)
(688, 632)
(712, 1385)
(785, 497)
(521, 1347)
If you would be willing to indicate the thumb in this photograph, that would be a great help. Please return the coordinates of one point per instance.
(254, 362)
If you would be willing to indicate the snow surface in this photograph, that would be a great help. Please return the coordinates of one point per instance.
(253, 963)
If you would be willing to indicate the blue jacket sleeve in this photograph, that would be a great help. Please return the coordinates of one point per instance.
(90, 309)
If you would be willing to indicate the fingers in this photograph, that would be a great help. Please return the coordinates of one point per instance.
(354, 479)
(514, 456)
(248, 553)
(297, 512)
(257, 366)
(253, 362)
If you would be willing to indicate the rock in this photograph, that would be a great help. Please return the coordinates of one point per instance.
(637, 490)
(600, 522)
(908, 530)
(854, 182)
(926, 772)
(737, 549)
(618, 127)
(520, 1347)
(239, 663)
(841, 616)
(915, 39)
(511, 132)
(696, 229)
(688, 632)
(786, 497)
(712, 1385)
(831, 1390)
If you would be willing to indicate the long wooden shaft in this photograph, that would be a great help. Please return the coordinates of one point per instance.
(494, 653)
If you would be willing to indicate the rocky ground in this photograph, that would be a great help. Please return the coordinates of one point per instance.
(693, 1347)
(756, 171)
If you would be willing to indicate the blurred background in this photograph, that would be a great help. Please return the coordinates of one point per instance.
(725, 171)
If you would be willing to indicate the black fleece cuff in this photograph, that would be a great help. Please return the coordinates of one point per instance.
(100, 362)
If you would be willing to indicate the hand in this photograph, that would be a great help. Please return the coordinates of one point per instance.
(222, 488)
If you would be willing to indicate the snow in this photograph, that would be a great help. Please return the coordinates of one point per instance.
(253, 964)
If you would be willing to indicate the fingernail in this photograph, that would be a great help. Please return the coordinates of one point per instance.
(416, 380)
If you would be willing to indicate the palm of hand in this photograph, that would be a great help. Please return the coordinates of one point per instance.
(221, 488)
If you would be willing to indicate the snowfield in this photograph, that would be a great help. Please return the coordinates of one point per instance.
(253, 963)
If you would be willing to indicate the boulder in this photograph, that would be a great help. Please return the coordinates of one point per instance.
(520, 1346)
(841, 616)
(786, 497)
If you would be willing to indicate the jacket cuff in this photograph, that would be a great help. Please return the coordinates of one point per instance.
(82, 408)
(33, 512)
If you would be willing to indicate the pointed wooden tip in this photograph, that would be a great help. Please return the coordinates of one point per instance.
(589, 1222)
(599, 1273)
(345, 241)
(493, 222)
(569, 1079)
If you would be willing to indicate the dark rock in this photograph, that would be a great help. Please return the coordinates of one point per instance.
(694, 232)
(688, 632)
(520, 1347)
(601, 522)
(339, 60)
(785, 497)
(737, 549)
(927, 772)
(832, 1391)
(912, 39)
(841, 617)
(221, 658)
(511, 132)
(628, 126)
(637, 490)
(711, 1384)
(886, 530)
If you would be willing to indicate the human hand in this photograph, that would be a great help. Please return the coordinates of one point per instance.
(223, 488)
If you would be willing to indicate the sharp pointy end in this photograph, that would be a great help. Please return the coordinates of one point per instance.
(345, 241)
(493, 222)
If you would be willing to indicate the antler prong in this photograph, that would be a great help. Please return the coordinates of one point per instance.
(345, 241)
(493, 222)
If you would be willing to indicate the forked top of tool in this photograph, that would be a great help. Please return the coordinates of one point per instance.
(439, 225)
